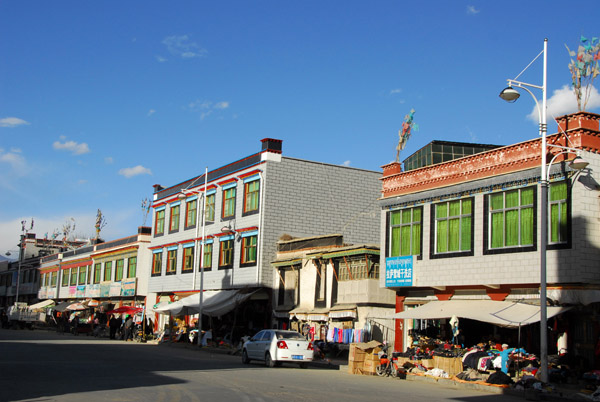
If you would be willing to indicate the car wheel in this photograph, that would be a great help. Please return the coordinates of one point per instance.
(245, 358)
(269, 361)
(303, 365)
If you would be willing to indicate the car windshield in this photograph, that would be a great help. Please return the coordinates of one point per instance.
(290, 335)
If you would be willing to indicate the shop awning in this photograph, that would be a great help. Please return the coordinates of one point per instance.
(63, 306)
(502, 313)
(41, 305)
(214, 303)
(343, 311)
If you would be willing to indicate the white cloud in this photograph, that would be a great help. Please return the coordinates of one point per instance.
(161, 59)
(12, 122)
(82, 181)
(71, 146)
(472, 10)
(14, 159)
(346, 163)
(182, 47)
(108, 160)
(134, 171)
(563, 102)
(151, 112)
(395, 91)
(206, 108)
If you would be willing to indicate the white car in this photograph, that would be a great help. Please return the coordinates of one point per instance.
(274, 346)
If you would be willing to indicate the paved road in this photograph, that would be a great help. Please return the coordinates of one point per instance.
(45, 366)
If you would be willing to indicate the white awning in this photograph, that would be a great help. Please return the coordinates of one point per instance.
(503, 313)
(41, 305)
(214, 303)
(343, 314)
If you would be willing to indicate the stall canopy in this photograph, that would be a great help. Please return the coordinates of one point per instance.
(214, 303)
(63, 306)
(41, 305)
(502, 313)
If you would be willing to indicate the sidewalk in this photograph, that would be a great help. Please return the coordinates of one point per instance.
(558, 394)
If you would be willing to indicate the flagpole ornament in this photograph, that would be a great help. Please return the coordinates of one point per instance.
(585, 67)
(100, 223)
(145, 209)
(404, 133)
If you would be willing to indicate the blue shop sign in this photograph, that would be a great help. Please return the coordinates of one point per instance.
(399, 271)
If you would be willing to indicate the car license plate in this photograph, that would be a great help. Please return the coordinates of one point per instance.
(297, 357)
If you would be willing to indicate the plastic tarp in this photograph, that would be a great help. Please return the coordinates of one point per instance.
(502, 313)
(215, 303)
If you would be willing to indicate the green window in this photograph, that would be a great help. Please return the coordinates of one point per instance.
(190, 214)
(119, 270)
(229, 202)
(226, 253)
(405, 236)
(65, 277)
(82, 272)
(249, 249)
(174, 219)
(108, 271)
(97, 272)
(73, 277)
(131, 267)
(188, 259)
(207, 261)
(210, 207)
(511, 218)
(558, 213)
(251, 189)
(159, 224)
(453, 226)
(53, 279)
(157, 263)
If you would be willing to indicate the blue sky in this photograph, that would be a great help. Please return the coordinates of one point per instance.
(101, 100)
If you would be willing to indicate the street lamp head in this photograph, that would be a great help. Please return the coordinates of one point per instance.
(509, 94)
(578, 163)
(182, 196)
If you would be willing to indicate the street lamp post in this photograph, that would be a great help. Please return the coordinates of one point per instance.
(201, 256)
(511, 95)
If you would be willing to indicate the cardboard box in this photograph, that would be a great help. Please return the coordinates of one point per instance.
(428, 363)
(355, 367)
(369, 366)
(356, 354)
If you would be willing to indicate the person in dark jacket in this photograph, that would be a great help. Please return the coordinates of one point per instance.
(113, 325)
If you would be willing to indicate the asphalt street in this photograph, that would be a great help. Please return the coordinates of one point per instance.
(45, 366)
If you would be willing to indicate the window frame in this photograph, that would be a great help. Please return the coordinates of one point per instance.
(74, 276)
(434, 253)
(159, 222)
(228, 203)
(119, 269)
(226, 255)
(108, 271)
(209, 213)
(246, 248)
(191, 213)
(157, 263)
(487, 222)
(53, 279)
(82, 275)
(174, 215)
(66, 277)
(187, 264)
(390, 236)
(566, 242)
(251, 196)
(132, 262)
(97, 272)
(171, 262)
(207, 256)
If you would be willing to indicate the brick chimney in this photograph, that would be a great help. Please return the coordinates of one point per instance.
(271, 145)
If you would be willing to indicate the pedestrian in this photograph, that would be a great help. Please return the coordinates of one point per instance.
(113, 325)
(75, 324)
(128, 327)
(4, 319)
